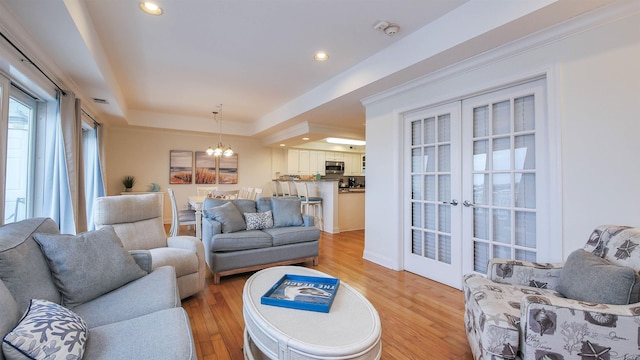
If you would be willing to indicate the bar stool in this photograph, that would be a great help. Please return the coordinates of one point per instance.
(285, 187)
(308, 201)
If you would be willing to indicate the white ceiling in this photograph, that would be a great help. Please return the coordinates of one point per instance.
(256, 56)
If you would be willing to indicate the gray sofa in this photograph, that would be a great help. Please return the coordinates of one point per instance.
(119, 310)
(238, 237)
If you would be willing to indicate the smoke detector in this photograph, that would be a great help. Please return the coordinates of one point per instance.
(387, 27)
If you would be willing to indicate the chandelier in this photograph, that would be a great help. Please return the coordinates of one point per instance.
(220, 149)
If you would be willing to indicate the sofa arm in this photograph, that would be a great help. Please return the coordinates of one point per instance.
(307, 220)
(557, 328)
(194, 244)
(516, 272)
(142, 258)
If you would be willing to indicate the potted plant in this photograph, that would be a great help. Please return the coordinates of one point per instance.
(128, 182)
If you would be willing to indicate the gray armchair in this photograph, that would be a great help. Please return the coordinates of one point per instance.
(137, 219)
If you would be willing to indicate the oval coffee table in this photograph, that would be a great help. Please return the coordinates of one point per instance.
(350, 330)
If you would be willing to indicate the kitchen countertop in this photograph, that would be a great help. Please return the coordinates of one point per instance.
(359, 190)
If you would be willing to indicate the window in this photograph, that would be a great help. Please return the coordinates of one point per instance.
(20, 157)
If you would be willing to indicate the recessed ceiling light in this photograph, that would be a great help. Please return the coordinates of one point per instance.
(283, 145)
(305, 138)
(321, 56)
(151, 8)
(346, 141)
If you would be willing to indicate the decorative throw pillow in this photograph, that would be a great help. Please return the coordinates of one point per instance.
(228, 216)
(259, 221)
(46, 331)
(589, 278)
(286, 212)
(88, 265)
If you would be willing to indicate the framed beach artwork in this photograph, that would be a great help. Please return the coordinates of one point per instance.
(180, 167)
(206, 170)
(228, 169)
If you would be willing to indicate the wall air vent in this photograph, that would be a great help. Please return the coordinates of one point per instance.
(100, 101)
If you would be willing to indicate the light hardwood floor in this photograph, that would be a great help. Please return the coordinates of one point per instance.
(421, 319)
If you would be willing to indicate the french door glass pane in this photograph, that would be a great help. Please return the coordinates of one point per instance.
(444, 218)
(502, 226)
(501, 118)
(416, 160)
(416, 214)
(430, 216)
(444, 188)
(430, 130)
(502, 189)
(503, 252)
(502, 153)
(481, 223)
(429, 159)
(416, 187)
(416, 242)
(481, 189)
(444, 158)
(429, 245)
(525, 190)
(416, 131)
(525, 255)
(481, 121)
(444, 128)
(524, 115)
(480, 151)
(430, 187)
(525, 152)
(444, 248)
(525, 229)
(481, 256)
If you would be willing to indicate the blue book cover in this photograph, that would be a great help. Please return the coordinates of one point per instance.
(302, 292)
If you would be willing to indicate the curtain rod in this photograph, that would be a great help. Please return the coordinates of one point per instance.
(32, 63)
(95, 122)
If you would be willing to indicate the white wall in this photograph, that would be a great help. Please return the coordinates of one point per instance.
(144, 153)
(594, 90)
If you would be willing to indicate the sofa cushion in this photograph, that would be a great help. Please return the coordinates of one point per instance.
(162, 334)
(154, 292)
(259, 221)
(9, 313)
(245, 205)
(586, 277)
(242, 240)
(286, 212)
(263, 204)
(229, 216)
(88, 265)
(623, 248)
(47, 331)
(25, 271)
(293, 234)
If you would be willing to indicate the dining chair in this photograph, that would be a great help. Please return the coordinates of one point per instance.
(307, 201)
(225, 194)
(206, 190)
(257, 192)
(285, 187)
(179, 217)
(244, 193)
(274, 189)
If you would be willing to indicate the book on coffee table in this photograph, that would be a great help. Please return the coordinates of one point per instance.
(311, 293)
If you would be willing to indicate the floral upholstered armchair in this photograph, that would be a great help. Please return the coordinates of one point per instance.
(585, 308)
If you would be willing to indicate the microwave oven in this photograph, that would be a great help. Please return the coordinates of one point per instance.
(334, 167)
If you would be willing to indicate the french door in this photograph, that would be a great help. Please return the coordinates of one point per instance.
(476, 177)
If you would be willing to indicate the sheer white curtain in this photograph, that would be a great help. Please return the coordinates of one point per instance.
(64, 175)
(94, 184)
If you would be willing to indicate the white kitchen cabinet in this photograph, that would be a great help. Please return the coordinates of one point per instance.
(293, 162)
(303, 163)
(316, 162)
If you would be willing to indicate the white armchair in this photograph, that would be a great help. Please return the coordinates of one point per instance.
(137, 219)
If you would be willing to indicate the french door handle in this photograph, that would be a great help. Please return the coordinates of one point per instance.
(453, 202)
(467, 203)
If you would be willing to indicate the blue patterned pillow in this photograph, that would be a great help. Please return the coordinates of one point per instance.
(259, 221)
(47, 331)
